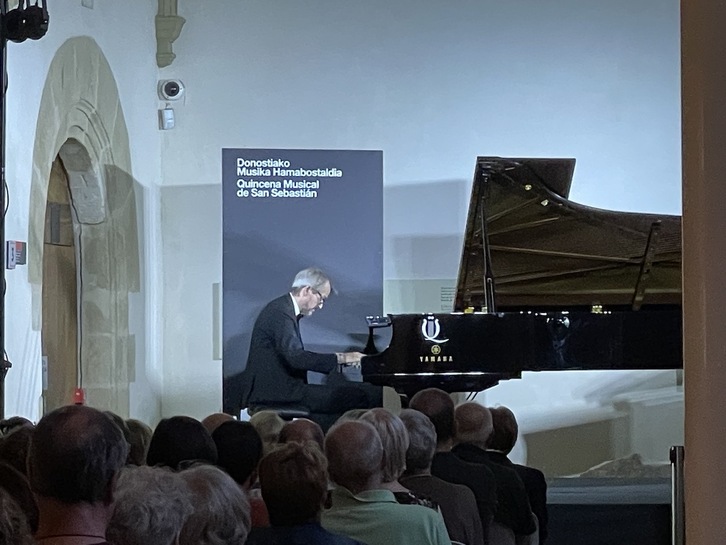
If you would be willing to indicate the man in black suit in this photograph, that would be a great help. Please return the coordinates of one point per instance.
(439, 407)
(473, 429)
(456, 501)
(277, 366)
(501, 443)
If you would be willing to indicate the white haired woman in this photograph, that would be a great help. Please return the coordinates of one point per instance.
(151, 506)
(221, 513)
(394, 437)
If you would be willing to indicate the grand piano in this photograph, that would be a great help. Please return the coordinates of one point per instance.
(544, 284)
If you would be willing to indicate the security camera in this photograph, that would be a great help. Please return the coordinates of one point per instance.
(171, 89)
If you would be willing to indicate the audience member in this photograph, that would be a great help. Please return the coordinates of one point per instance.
(394, 439)
(239, 450)
(376, 459)
(139, 439)
(457, 502)
(14, 422)
(121, 423)
(75, 455)
(221, 513)
(352, 414)
(14, 447)
(361, 509)
(473, 428)
(16, 484)
(501, 443)
(294, 482)
(152, 504)
(14, 528)
(213, 421)
(438, 406)
(269, 425)
(302, 430)
(180, 439)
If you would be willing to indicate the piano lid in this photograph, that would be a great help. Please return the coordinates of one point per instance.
(528, 247)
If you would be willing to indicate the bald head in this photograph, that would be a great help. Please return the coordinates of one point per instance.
(438, 406)
(355, 455)
(214, 420)
(473, 424)
(301, 431)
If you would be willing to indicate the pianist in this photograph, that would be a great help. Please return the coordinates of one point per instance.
(277, 366)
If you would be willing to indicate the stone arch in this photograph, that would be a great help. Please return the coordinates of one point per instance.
(81, 120)
(85, 184)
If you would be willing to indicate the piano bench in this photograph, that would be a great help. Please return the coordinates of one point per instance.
(286, 412)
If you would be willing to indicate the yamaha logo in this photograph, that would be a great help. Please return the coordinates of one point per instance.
(431, 329)
(436, 350)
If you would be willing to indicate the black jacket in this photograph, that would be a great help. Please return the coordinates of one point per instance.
(278, 363)
(534, 483)
(512, 502)
(450, 468)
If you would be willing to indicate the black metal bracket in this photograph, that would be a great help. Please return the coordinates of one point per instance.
(646, 265)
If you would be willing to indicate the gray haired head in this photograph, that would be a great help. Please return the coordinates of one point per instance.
(152, 505)
(313, 277)
(422, 441)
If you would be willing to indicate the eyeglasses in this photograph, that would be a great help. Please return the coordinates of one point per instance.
(320, 295)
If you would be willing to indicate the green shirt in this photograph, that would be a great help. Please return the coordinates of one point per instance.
(376, 518)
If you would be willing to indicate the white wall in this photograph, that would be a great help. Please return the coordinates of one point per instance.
(192, 250)
(435, 84)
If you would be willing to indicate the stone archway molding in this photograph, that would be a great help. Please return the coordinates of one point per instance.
(84, 183)
(168, 28)
(81, 120)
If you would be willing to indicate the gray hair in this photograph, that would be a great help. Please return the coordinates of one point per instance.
(221, 510)
(152, 504)
(394, 439)
(269, 425)
(422, 441)
(313, 277)
(139, 438)
(352, 414)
